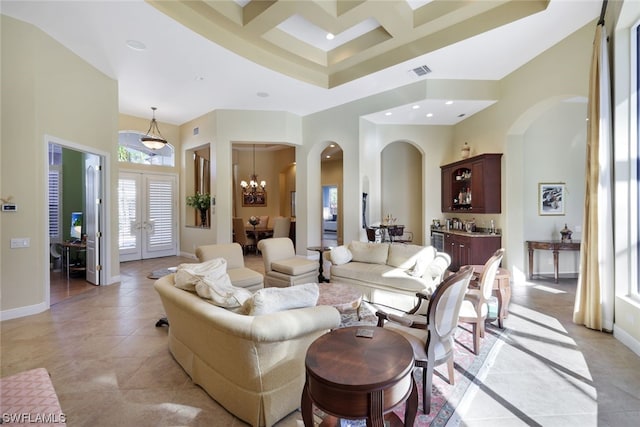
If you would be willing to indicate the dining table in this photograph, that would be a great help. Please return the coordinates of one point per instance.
(258, 233)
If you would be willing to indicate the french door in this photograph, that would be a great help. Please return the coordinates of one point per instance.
(148, 227)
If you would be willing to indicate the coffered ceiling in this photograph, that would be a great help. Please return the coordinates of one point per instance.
(408, 58)
(369, 35)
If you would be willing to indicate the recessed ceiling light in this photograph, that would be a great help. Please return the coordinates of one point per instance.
(328, 156)
(449, 102)
(136, 45)
(415, 107)
(198, 78)
(262, 94)
(332, 145)
(461, 115)
(388, 113)
(429, 114)
(330, 36)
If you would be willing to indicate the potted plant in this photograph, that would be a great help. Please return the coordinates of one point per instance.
(200, 201)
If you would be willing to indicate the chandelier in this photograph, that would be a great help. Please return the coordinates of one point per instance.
(253, 188)
(153, 139)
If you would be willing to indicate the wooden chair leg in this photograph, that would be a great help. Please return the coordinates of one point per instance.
(476, 339)
(427, 384)
(451, 370)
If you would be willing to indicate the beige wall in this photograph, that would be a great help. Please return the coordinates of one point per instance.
(270, 165)
(402, 187)
(45, 89)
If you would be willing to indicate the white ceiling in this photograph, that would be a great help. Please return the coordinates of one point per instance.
(185, 75)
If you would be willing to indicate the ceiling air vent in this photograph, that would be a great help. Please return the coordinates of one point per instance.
(422, 70)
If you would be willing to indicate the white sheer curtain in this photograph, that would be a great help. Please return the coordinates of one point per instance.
(595, 293)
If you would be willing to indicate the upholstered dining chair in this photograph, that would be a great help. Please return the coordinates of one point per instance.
(281, 226)
(474, 307)
(431, 336)
(240, 235)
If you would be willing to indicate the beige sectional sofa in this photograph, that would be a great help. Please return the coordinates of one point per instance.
(252, 365)
(388, 273)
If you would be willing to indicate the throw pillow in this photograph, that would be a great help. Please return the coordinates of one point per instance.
(221, 292)
(271, 300)
(188, 275)
(340, 255)
(419, 268)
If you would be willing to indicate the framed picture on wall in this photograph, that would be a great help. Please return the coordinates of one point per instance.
(254, 199)
(551, 198)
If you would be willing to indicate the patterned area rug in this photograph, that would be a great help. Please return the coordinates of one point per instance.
(445, 397)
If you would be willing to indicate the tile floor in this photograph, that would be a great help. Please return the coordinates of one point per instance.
(110, 364)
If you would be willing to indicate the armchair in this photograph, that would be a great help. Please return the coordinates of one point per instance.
(431, 336)
(282, 268)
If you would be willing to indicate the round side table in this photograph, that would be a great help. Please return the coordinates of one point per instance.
(360, 377)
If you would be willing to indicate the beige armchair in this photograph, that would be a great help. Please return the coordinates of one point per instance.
(282, 267)
(238, 274)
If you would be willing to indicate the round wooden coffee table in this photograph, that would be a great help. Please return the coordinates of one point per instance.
(341, 296)
(354, 377)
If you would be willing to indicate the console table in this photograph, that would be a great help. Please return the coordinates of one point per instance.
(550, 245)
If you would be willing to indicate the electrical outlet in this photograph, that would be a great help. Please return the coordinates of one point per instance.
(20, 242)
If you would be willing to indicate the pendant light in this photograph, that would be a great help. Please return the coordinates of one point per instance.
(253, 187)
(153, 139)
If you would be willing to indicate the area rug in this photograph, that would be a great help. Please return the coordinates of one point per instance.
(445, 397)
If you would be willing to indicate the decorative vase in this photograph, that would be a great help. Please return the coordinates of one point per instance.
(203, 217)
(566, 234)
(465, 151)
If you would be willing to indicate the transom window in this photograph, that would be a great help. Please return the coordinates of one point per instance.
(131, 150)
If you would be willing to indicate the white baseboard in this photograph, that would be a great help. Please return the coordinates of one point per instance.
(29, 310)
(626, 339)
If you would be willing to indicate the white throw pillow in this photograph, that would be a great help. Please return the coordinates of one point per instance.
(419, 268)
(221, 292)
(340, 255)
(271, 300)
(189, 275)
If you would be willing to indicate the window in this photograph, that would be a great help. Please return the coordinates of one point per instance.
(131, 150)
(635, 149)
(55, 192)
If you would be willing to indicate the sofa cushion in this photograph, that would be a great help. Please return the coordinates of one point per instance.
(406, 256)
(190, 274)
(271, 300)
(245, 277)
(372, 253)
(294, 266)
(340, 255)
(381, 275)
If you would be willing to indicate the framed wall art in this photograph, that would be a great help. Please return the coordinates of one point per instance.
(551, 198)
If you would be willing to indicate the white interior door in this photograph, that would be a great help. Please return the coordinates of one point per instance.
(147, 216)
(93, 209)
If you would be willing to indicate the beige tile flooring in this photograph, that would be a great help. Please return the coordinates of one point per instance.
(110, 364)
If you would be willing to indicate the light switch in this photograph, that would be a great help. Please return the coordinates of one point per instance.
(20, 242)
